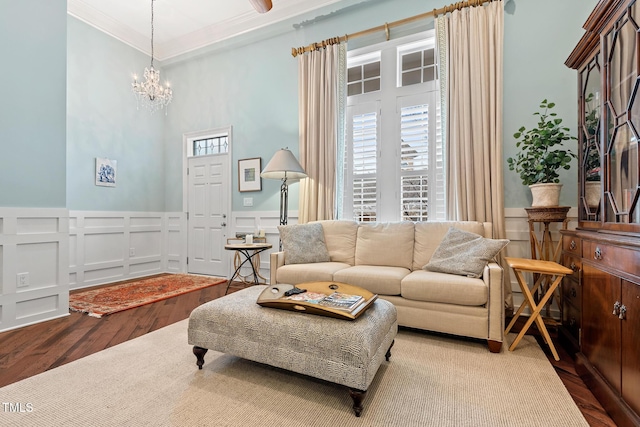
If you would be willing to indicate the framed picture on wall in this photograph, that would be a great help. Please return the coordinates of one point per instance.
(106, 172)
(249, 174)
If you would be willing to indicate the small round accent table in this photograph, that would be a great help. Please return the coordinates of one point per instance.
(250, 252)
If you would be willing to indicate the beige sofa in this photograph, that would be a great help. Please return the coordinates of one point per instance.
(388, 259)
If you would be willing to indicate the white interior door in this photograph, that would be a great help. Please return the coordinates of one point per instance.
(208, 186)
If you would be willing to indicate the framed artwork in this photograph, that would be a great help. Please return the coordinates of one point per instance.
(106, 172)
(249, 174)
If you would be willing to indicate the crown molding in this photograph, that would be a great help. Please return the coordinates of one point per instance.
(95, 18)
(197, 39)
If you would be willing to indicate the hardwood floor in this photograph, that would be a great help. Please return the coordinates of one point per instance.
(37, 348)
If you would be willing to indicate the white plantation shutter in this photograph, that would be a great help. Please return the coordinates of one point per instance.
(364, 155)
(414, 162)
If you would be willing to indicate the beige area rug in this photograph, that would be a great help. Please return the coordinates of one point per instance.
(430, 381)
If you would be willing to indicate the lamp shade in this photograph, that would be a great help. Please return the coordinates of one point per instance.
(282, 165)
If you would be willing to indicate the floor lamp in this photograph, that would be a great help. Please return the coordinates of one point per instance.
(283, 165)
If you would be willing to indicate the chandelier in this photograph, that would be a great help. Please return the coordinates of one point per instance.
(150, 93)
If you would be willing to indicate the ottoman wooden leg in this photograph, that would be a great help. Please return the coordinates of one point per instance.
(388, 355)
(199, 352)
(358, 397)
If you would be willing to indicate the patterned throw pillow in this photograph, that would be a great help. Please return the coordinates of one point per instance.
(303, 243)
(464, 253)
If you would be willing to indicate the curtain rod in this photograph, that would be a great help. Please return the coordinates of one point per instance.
(435, 12)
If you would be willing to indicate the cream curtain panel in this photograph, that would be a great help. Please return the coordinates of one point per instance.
(321, 75)
(470, 40)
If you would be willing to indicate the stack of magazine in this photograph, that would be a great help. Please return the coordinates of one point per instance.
(337, 300)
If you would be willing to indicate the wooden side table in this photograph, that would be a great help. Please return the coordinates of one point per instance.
(251, 253)
(542, 245)
(548, 271)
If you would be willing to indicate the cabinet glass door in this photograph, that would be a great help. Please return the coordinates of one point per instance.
(622, 120)
(590, 171)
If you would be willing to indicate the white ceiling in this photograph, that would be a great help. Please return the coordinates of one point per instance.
(181, 26)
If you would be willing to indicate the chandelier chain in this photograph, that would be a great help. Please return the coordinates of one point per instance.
(152, 33)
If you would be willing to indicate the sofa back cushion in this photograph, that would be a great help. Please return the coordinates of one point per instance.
(428, 236)
(340, 238)
(386, 244)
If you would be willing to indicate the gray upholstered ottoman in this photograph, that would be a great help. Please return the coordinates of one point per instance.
(346, 352)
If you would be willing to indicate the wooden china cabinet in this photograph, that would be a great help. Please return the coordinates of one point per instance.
(601, 300)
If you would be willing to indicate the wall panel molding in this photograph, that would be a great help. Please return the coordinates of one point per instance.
(107, 247)
(34, 246)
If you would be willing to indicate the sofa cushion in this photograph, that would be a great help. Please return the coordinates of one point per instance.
(317, 272)
(444, 288)
(340, 237)
(381, 280)
(385, 244)
(428, 236)
(303, 243)
(464, 253)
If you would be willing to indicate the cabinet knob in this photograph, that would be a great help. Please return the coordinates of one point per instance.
(623, 312)
(572, 321)
(572, 245)
(574, 267)
(574, 293)
(616, 308)
(597, 254)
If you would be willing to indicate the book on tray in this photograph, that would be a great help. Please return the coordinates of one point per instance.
(337, 300)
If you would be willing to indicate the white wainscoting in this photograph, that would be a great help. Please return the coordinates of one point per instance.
(107, 247)
(517, 229)
(33, 242)
(64, 250)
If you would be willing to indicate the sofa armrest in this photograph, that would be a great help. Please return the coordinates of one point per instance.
(276, 260)
(492, 276)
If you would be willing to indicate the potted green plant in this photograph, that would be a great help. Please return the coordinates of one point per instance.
(542, 155)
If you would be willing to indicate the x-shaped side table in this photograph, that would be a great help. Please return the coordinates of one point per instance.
(547, 271)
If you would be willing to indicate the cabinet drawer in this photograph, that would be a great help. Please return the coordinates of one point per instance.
(572, 244)
(572, 292)
(623, 259)
(574, 264)
(571, 320)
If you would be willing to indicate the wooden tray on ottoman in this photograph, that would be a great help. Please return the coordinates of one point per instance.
(274, 296)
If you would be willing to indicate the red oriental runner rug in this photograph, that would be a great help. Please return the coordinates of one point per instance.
(112, 299)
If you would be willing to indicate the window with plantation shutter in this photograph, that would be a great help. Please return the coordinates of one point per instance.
(365, 143)
(393, 154)
(414, 162)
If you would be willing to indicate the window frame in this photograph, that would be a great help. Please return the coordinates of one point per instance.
(387, 99)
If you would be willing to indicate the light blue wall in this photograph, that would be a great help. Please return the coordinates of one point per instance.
(251, 84)
(103, 121)
(33, 40)
(538, 37)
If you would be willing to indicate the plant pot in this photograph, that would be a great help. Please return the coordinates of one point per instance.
(545, 194)
(592, 193)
